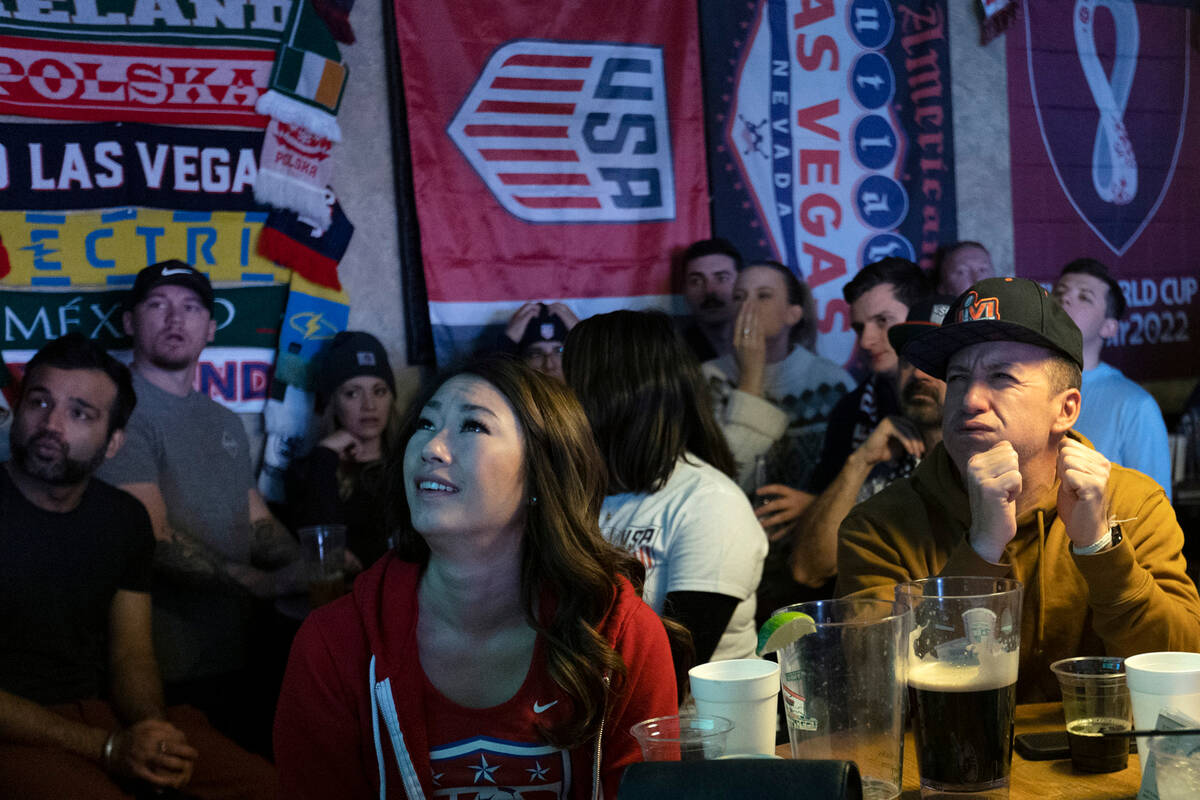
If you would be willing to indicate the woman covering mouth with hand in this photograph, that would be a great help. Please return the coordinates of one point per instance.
(502, 642)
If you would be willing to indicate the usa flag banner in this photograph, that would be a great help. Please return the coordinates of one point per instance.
(831, 138)
(1104, 108)
(557, 155)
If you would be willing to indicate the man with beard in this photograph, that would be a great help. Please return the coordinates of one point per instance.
(1012, 491)
(81, 703)
(187, 459)
(880, 296)
(710, 267)
(892, 450)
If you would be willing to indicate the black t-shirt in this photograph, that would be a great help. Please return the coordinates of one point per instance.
(58, 576)
(312, 491)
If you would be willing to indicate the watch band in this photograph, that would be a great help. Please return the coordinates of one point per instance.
(1110, 539)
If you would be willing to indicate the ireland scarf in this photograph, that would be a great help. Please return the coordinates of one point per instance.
(305, 92)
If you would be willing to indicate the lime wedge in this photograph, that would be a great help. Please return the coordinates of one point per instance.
(783, 629)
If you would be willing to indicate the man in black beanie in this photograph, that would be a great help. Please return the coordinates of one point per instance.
(536, 333)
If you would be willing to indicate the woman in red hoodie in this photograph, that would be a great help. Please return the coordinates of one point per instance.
(501, 650)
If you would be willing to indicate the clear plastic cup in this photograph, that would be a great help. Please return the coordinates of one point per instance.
(682, 738)
(324, 550)
(1176, 767)
(1095, 702)
(844, 688)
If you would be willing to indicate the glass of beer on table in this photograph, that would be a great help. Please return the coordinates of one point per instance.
(962, 678)
(1095, 702)
(324, 550)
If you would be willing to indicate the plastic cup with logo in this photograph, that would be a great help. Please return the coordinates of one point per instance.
(1095, 702)
(1163, 681)
(844, 685)
(963, 653)
(1176, 767)
(682, 737)
(744, 691)
(324, 552)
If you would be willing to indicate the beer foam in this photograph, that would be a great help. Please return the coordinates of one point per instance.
(994, 672)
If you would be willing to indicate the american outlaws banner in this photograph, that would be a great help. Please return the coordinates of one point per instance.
(831, 139)
(105, 165)
(556, 156)
(1104, 108)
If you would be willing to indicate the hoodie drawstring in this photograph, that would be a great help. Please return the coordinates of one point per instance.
(1041, 568)
(375, 731)
(383, 705)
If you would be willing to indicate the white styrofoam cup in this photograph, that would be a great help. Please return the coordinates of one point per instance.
(743, 690)
(1158, 681)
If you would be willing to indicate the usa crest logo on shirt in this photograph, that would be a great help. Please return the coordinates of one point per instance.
(571, 132)
(483, 768)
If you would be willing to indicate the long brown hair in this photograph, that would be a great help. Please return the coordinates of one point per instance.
(645, 397)
(563, 555)
(369, 473)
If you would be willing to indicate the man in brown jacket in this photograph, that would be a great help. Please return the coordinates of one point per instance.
(1013, 492)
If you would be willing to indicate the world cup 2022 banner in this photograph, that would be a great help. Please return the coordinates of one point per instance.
(557, 155)
(1104, 106)
(831, 138)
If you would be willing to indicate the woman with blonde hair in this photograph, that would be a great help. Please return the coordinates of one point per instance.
(342, 480)
(503, 642)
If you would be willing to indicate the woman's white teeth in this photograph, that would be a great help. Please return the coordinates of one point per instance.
(434, 486)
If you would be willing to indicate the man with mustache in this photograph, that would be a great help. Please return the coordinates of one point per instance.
(81, 703)
(188, 460)
(892, 450)
(1012, 491)
(709, 268)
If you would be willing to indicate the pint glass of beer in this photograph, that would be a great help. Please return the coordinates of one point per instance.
(962, 681)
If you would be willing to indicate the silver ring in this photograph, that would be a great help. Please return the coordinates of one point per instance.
(745, 331)
(162, 746)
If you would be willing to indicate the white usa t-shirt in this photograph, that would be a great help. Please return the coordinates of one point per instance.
(696, 534)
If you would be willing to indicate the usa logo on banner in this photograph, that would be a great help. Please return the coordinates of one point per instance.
(1106, 164)
(556, 157)
(580, 171)
(831, 136)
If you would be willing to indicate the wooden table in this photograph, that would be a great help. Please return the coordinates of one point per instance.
(1036, 780)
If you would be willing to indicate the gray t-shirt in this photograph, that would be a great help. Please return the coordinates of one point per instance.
(197, 453)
